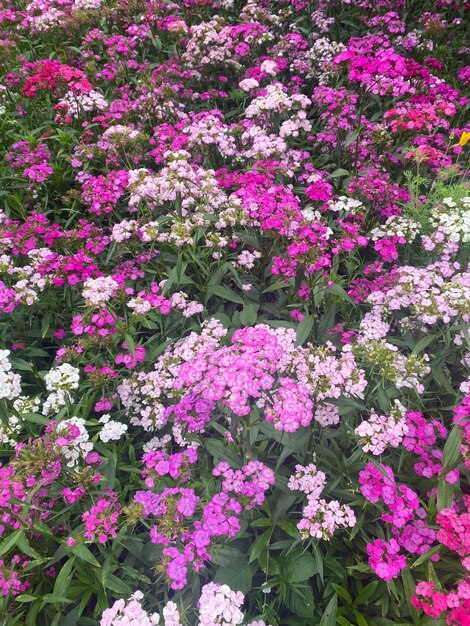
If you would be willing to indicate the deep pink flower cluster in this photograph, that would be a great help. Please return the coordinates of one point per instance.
(10, 579)
(385, 558)
(130, 359)
(101, 193)
(159, 463)
(185, 526)
(454, 533)
(186, 540)
(421, 439)
(462, 418)
(403, 512)
(48, 75)
(192, 413)
(101, 519)
(435, 602)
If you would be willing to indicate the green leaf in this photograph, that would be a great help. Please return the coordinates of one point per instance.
(337, 290)
(343, 593)
(52, 598)
(289, 527)
(427, 555)
(439, 376)
(318, 560)
(260, 545)
(301, 602)
(451, 453)
(45, 324)
(71, 618)
(360, 619)
(304, 329)
(298, 568)
(329, 616)
(7, 544)
(444, 495)
(62, 581)
(423, 343)
(25, 597)
(366, 593)
(239, 578)
(83, 553)
(249, 315)
(130, 343)
(339, 172)
(410, 589)
(110, 581)
(351, 138)
(20, 364)
(225, 293)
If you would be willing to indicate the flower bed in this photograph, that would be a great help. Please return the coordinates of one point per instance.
(234, 342)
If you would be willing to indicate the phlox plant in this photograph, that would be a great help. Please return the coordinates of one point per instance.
(234, 299)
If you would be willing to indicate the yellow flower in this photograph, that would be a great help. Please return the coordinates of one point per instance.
(464, 139)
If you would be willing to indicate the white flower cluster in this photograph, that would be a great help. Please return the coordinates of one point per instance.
(10, 387)
(87, 4)
(454, 218)
(9, 429)
(111, 431)
(345, 204)
(76, 103)
(62, 378)
(397, 226)
(80, 446)
(2, 107)
(276, 100)
(59, 381)
(321, 55)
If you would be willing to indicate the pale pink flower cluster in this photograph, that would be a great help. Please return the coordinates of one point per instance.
(327, 374)
(187, 307)
(261, 366)
(142, 393)
(308, 479)
(98, 291)
(380, 431)
(246, 259)
(320, 519)
(130, 613)
(171, 615)
(179, 180)
(218, 605)
(87, 4)
(209, 129)
(326, 414)
(438, 292)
